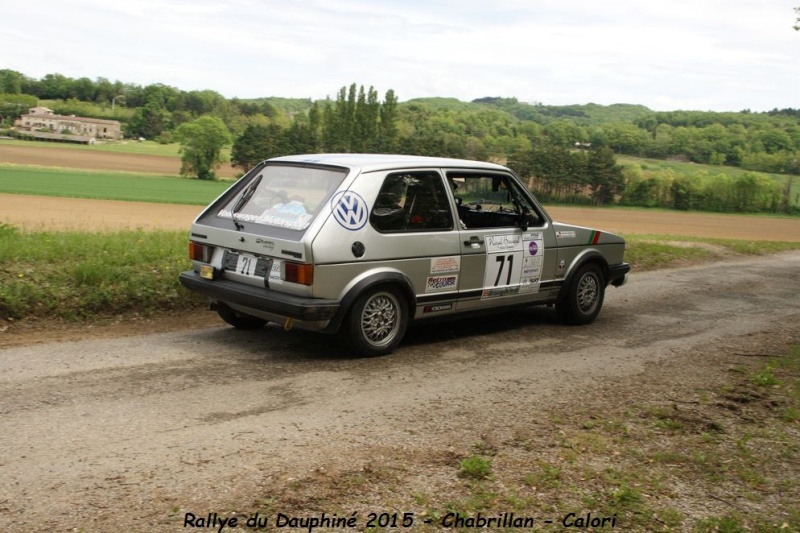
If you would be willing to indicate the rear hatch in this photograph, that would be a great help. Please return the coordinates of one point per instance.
(254, 232)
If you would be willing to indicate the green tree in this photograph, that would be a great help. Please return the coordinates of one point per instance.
(202, 141)
(387, 133)
(685, 192)
(775, 140)
(14, 105)
(10, 81)
(605, 176)
(623, 138)
(55, 86)
(257, 142)
(148, 121)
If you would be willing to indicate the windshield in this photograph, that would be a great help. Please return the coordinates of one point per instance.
(283, 196)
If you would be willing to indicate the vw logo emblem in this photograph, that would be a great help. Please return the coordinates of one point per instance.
(349, 210)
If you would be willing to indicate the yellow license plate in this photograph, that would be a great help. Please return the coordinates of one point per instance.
(207, 271)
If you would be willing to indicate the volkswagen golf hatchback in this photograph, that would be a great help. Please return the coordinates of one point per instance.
(362, 245)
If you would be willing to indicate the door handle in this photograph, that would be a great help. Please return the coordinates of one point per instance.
(473, 241)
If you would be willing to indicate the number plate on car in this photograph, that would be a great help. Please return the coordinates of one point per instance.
(246, 264)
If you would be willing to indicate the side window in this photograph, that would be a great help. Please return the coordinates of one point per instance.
(490, 201)
(412, 201)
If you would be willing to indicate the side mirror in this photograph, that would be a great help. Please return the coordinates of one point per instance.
(527, 219)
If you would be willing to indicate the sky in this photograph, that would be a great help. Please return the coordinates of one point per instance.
(706, 55)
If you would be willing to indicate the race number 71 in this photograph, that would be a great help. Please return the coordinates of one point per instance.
(503, 269)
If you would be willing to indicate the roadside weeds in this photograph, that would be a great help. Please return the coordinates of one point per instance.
(708, 442)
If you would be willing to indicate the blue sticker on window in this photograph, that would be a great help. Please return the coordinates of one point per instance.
(349, 210)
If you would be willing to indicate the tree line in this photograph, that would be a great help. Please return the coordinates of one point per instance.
(566, 151)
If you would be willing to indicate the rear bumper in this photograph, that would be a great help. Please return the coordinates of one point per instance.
(277, 303)
(618, 274)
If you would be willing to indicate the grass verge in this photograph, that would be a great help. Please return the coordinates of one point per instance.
(107, 185)
(648, 252)
(79, 275)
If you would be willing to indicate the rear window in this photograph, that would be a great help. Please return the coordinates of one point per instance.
(283, 196)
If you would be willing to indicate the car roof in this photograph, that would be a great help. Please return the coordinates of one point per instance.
(373, 162)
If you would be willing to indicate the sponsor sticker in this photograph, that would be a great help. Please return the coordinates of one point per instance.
(441, 283)
(275, 271)
(502, 291)
(529, 285)
(443, 265)
(531, 266)
(565, 235)
(437, 308)
(503, 243)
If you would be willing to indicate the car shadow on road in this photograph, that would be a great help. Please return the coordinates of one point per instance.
(272, 344)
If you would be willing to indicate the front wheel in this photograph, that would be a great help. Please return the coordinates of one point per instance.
(239, 320)
(584, 297)
(376, 322)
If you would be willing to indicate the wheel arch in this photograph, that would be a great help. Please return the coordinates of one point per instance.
(391, 278)
(585, 258)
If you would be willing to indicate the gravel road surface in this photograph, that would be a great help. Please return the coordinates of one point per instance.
(127, 433)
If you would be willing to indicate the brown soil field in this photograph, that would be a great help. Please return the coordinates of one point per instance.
(32, 213)
(90, 159)
(39, 212)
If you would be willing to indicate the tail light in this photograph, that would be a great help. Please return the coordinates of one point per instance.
(200, 252)
(299, 273)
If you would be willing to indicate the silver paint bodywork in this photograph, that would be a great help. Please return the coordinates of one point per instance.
(441, 272)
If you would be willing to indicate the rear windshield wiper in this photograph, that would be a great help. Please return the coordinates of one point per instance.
(243, 199)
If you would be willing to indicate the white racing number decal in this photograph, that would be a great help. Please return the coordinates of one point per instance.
(503, 265)
(246, 265)
(513, 264)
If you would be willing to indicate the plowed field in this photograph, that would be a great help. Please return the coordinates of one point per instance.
(41, 212)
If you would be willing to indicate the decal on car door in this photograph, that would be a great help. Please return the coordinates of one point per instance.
(513, 264)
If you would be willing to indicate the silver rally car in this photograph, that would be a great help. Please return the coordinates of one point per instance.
(360, 245)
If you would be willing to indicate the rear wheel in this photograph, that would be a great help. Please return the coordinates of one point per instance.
(376, 322)
(239, 320)
(584, 297)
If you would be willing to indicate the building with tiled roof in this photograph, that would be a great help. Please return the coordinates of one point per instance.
(43, 120)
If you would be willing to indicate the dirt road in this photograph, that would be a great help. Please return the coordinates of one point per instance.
(132, 433)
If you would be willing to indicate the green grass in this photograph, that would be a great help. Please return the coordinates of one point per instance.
(647, 252)
(84, 275)
(475, 467)
(125, 146)
(107, 185)
(77, 275)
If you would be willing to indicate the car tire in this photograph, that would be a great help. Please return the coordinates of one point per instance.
(376, 322)
(240, 320)
(584, 297)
